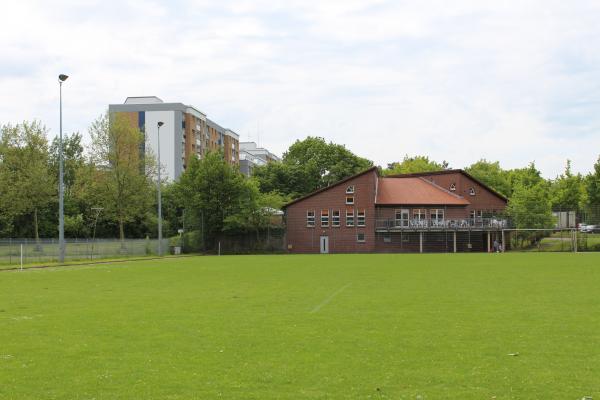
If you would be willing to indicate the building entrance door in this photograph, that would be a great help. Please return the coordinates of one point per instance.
(324, 244)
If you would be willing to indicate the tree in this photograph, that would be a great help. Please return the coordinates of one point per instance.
(528, 176)
(592, 183)
(28, 184)
(290, 180)
(117, 178)
(411, 165)
(216, 193)
(73, 159)
(257, 212)
(492, 175)
(529, 206)
(308, 165)
(568, 191)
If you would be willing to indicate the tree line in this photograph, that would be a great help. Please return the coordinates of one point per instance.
(115, 178)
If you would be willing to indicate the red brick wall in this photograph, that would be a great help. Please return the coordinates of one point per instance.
(303, 239)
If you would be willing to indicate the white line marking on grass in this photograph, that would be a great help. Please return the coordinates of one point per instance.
(328, 299)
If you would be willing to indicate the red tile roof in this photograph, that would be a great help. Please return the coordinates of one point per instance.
(396, 191)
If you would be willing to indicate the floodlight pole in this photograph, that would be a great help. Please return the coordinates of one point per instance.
(61, 199)
(160, 123)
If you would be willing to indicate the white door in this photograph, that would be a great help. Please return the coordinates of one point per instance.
(324, 244)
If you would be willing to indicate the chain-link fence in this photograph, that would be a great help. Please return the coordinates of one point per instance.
(264, 241)
(31, 251)
(552, 240)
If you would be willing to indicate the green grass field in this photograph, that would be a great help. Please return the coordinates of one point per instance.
(305, 327)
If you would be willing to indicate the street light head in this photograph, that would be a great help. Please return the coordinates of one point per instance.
(62, 77)
(160, 123)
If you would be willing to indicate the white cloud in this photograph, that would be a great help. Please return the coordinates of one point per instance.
(508, 81)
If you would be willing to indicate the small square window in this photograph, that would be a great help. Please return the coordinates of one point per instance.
(472, 191)
(349, 199)
(453, 187)
(350, 189)
(360, 237)
(387, 238)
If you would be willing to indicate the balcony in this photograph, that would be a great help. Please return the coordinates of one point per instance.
(476, 224)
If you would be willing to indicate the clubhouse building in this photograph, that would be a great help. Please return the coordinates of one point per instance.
(445, 211)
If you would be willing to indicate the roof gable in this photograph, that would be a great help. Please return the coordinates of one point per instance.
(372, 169)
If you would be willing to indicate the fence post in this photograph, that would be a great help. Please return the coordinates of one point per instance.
(503, 243)
(455, 241)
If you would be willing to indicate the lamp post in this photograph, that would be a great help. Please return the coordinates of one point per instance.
(160, 123)
(61, 200)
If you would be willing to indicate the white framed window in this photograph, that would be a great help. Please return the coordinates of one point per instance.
(350, 217)
(335, 218)
(453, 187)
(472, 191)
(360, 237)
(361, 219)
(349, 199)
(437, 214)
(402, 217)
(420, 214)
(479, 213)
(310, 218)
(472, 214)
(324, 218)
(350, 189)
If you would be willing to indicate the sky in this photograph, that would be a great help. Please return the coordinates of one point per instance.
(509, 81)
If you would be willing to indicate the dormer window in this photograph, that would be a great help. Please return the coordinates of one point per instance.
(453, 187)
(350, 189)
(472, 191)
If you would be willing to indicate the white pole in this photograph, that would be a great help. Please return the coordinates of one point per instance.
(455, 241)
(159, 124)
(21, 256)
(219, 248)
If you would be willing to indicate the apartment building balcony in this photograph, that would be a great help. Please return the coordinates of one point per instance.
(419, 225)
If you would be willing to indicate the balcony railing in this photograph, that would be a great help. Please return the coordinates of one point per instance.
(451, 224)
